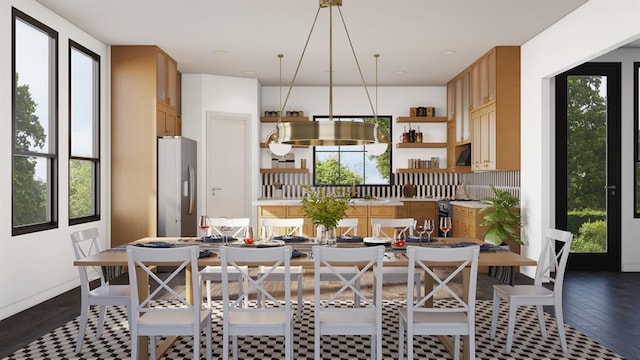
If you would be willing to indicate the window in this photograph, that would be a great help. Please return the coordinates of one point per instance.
(35, 121)
(84, 138)
(344, 165)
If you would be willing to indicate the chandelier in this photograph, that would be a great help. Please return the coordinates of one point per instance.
(330, 133)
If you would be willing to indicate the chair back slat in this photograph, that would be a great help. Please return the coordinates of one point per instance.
(145, 261)
(272, 259)
(464, 259)
(405, 225)
(556, 247)
(86, 243)
(238, 226)
(348, 226)
(274, 227)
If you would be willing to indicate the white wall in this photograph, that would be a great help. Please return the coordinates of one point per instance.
(36, 267)
(392, 100)
(594, 29)
(202, 93)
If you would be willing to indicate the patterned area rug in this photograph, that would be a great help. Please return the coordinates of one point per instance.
(528, 343)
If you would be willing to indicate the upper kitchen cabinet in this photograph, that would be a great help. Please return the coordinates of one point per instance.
(168, 90)
(495, 110)
(138, 117)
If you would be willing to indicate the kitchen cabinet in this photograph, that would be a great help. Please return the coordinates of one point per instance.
(422, 210)
(463, 132)
(495, 114)
(362, 212)
(136, 77)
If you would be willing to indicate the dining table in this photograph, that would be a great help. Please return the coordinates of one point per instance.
(394, 256)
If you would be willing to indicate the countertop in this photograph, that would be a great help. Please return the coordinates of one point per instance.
(362, 202)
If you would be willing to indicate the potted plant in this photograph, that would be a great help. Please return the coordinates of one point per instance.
(325, 209)
(502, 217)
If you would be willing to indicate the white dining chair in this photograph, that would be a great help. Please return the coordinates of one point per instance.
(274, 317)
(213, 273)
(556, 246)
(332, 319)
(86, 243)
(274, 227)
(238, 226)
(346, 227)
(165, 311)
(422, 316)
(398, 273)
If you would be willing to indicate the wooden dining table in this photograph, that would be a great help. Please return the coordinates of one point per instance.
(393, 257)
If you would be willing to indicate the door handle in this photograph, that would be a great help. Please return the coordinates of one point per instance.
(213, 190)
(611, 188)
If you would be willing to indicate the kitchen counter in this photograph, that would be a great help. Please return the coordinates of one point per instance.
(355, 202)
(468, 204)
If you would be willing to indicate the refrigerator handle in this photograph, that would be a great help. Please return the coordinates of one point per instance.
(191, 189)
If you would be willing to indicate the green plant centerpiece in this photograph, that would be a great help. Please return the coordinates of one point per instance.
(502, 217)
(325, 208)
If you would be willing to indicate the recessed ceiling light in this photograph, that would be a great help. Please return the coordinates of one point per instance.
(448, 52)
(249, 72)
(219, 52)
(399, 72)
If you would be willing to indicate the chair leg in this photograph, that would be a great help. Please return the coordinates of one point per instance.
(235, 347)
(560, 324)
(208, 293)
(456, 347)
(372, 341)
(316, 344)
(300, 289)
(511, 326)
(103, 311)
(409, 328)
(153, 347)
(225, 344)
(400, 338)
(494, 315)
(208, 337)
(84, 316)
(543, 328)
(418, 282)
(134, 344)
(196, 346)
(472, 343)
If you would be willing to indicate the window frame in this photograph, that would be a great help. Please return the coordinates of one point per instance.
(51, 155)
(636, 138)
(351, 118)
(95, 160)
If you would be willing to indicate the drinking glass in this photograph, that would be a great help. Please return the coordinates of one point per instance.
(375, 230)
(428, 228)
(203, 225)
(420, 229)
(445, 225)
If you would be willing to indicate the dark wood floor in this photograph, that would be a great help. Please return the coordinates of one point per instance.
(602, 305)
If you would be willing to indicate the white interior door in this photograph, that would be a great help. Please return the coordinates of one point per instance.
(227, 165)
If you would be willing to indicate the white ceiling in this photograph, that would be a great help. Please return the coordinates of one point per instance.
(411, 36)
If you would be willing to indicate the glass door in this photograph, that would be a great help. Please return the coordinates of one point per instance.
(588, 164)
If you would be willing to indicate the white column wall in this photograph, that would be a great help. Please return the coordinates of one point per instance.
(38, 266)
(594, 29)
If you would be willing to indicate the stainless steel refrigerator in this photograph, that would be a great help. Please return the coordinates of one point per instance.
(177, 196)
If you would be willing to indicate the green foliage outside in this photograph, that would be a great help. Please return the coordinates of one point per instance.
(29, 194)
(383, 161)
(586, 154)
(591, 238)
(80, 189)
(329, 172)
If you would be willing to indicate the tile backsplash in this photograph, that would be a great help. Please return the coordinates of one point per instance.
(429, 185)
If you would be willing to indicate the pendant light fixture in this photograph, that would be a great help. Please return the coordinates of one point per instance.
(329, 133)
(380, 147)
(277, 148)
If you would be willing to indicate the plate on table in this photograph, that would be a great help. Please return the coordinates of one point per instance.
(290, 238)
(350, 239)
(269, 243)
(217, 238)
(377, 241)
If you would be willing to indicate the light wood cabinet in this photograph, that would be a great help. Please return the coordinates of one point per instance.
(362, 213)
(168, 91)
(495, 115)
(136, 122)
(422, 210)
(463, 127)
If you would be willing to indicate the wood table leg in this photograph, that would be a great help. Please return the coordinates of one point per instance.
(143, 293)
